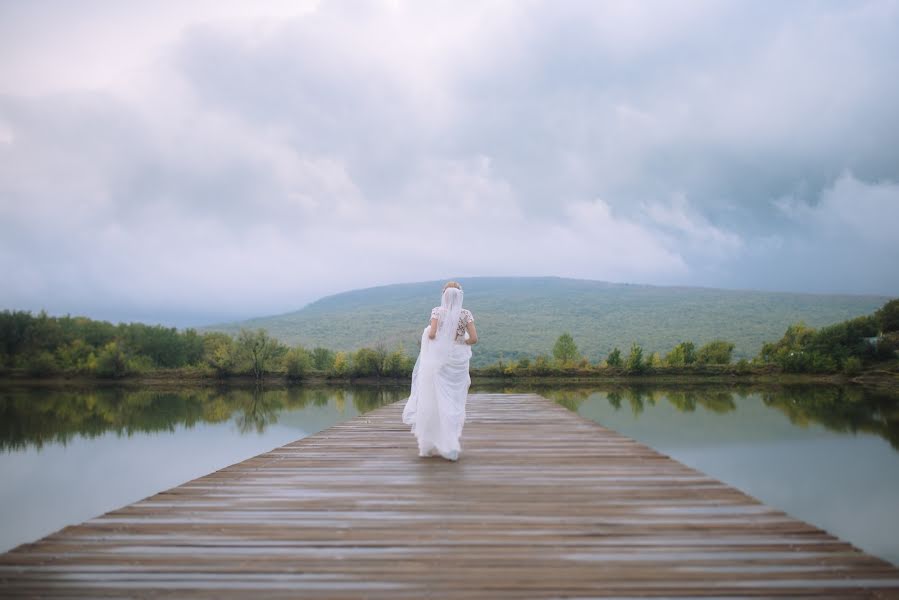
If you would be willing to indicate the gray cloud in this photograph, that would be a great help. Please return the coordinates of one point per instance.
(229, 165)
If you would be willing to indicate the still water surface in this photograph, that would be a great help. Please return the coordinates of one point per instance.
(829, 456)
(66, 457)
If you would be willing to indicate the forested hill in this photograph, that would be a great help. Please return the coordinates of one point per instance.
(524, 316)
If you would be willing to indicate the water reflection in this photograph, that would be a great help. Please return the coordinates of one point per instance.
(824, 454)
(844, 409)
(786, 445)
(33, 418)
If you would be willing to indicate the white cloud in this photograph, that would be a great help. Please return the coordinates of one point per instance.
(693, 229)
(854, 209)
(849, 209)
(6, 136)
(230, 159)
(846, 239)
(49, 47)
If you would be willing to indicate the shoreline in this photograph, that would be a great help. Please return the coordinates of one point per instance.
(878, 379)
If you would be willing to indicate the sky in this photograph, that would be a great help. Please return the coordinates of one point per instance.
(202, 161)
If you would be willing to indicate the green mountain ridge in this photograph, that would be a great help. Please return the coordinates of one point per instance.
(523, 316)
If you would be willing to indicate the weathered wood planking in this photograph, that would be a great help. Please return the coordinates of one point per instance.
(542, 504)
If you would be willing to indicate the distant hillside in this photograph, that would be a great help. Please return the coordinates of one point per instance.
(524, 316)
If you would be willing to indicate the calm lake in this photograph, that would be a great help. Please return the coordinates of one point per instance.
(826, 455)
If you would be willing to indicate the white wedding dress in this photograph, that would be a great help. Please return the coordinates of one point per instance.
(440, 381)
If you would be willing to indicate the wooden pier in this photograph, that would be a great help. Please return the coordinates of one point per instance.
(542, 504)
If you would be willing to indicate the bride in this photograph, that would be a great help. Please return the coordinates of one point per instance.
(436, 405)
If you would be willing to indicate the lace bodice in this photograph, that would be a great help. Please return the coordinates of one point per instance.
(465, 317)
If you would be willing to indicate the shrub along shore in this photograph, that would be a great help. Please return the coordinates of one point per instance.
(165, 379)
(42, 348)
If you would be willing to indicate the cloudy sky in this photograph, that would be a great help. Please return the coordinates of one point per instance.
(192, 162)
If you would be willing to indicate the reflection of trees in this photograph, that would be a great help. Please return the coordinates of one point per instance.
(634, 397)
(615, 400)
(848, 409)
(366, 399)
(570, 398)
(38, 417)
(719, 402)
(845, 409)
(683, 401)
(259, 409)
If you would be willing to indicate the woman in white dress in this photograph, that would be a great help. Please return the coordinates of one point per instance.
(440, 381)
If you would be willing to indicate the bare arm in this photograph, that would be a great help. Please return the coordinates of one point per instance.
(472, 334)
(433, 332)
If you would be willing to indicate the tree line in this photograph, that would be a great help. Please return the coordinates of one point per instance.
(566, 359)
(844, 347)
(42, 345)
(848, 346)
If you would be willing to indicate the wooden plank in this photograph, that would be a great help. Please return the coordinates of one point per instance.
(542, 504)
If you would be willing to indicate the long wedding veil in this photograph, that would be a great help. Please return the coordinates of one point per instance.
(447, 322)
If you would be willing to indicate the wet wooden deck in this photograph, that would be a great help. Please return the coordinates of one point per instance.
(542, 504)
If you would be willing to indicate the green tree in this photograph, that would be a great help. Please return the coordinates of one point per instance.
(192, 343)
(14, 327)
(398, 364)
(541, 365)
(849, 338)
(258, 350)
(888, 316)
(716, 352)
(219, 352)
(852, 366)
(635, 362)
(45, 333)
(380, 351)
(614, 358)
(341, 365)
(96, 333)
(791, 352)
(322, 359)
(682, 354)
(43, 363)
(805, 349)
(112, 361)
(565, 350)
(795, 339)
(366, 363)
(75, 356)
(297, 362)
(164, 346)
